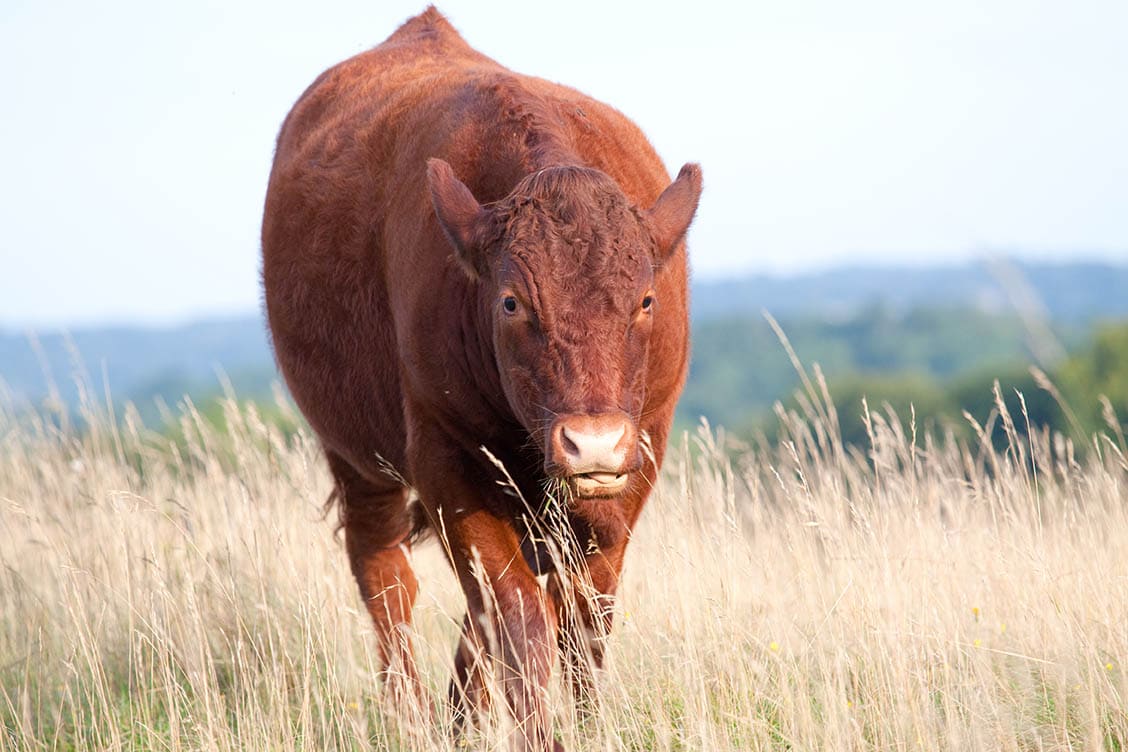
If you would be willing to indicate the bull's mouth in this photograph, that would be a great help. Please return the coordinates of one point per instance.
(597, 484)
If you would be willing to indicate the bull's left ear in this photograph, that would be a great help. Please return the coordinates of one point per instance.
(673, 211)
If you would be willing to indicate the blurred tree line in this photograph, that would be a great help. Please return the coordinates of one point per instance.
(941, 361)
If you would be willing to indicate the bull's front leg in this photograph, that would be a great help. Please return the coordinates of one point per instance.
(510, 623)
(509, 618)
(584, 601)
(583, 590)
(469, 687)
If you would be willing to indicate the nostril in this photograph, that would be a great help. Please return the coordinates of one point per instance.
(568, 444)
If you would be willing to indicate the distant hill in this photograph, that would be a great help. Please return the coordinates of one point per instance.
(938, 320)
(1071, 293)
(140, 363)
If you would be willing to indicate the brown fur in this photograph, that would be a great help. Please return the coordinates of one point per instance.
(415, 188)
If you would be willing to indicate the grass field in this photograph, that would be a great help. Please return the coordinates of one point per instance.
(922, 595)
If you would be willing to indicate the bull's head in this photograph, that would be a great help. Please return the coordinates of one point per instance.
(566, 267)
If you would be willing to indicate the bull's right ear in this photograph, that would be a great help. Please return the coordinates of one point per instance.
(462, 218)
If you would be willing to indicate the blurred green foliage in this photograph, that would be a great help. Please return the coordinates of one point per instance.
(1099, 369)
(939, 366)
(739, 367)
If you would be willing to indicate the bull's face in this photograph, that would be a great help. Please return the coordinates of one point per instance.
(566, 268)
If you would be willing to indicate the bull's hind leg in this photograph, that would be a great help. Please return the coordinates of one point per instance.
(377, 524)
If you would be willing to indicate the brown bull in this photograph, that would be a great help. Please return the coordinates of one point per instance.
(471, 274)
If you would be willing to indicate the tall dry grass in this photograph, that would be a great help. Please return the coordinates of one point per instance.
(802, 595)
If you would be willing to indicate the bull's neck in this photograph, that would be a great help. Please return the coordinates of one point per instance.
(543, 137)
(552, 153)
(477, 336)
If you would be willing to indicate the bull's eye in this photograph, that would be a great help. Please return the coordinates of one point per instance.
(509, 304)
(648, 303)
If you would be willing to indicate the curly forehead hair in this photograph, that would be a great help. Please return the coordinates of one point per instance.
(580, 217)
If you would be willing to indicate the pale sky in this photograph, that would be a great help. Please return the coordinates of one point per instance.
(137, 136)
